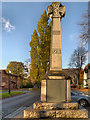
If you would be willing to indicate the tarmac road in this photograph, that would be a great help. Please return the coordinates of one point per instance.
(17, 103)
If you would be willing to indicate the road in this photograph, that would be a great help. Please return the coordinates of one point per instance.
(10, 105)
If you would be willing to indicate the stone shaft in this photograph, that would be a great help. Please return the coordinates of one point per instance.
(56, 56)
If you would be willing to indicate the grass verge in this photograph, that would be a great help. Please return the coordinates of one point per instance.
(13, 93)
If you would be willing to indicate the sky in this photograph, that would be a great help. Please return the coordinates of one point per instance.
(19, 19)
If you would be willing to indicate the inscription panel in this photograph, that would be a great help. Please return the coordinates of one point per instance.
(56, 51)
(56, 32)
(56, 62)
(56, 91)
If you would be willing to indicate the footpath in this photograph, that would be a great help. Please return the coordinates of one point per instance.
(85, 91)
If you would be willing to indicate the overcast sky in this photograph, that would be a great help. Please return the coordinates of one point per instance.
(20, 19)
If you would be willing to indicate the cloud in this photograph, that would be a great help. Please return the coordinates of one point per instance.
(73, 36)
(6, 25)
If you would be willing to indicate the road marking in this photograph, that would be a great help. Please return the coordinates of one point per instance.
(15, 113)
(21, 114)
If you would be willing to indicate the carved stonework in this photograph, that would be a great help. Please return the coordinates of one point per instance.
(56, 10)
(56, 32)
(56, 51)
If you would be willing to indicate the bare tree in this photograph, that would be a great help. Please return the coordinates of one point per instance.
(27, 61)
(77, 60)
(84, 28)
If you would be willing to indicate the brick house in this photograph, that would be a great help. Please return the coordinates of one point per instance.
(15, 80)
(81, 76)
(87, 75)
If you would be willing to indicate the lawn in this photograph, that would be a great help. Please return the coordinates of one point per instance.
(13, 93)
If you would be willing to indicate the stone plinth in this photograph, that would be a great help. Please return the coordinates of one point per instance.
(55, 110)
(56, 88)
(82, 113)
(55, 106)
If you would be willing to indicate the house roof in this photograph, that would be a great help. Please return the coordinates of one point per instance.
(4, 72)
(87, 66)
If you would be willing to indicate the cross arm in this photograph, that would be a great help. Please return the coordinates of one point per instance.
(62, 10)
(49, 10)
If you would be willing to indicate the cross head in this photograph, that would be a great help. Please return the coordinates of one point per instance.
(56, 10)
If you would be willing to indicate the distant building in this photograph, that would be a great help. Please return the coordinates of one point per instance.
(81, 76)
(15, 80)
(87, 75)
(72, 72)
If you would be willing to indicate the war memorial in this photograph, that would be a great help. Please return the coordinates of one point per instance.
(55, 88)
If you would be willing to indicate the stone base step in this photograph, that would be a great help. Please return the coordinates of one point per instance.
(55, 106)
(31, 113)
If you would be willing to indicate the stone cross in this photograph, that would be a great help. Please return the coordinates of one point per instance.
(56, 11)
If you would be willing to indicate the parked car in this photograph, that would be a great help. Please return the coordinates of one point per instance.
(83, 100)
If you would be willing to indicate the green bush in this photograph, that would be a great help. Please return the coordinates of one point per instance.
(81, 86)
(28, 85)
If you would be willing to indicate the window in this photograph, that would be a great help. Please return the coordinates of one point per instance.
(89, 67)
(3, 84)
(72, 94)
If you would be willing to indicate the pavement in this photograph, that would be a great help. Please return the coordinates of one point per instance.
(85, 91)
